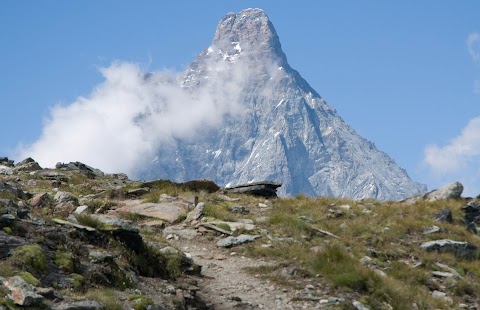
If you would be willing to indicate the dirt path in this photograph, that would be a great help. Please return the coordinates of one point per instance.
(227, 285)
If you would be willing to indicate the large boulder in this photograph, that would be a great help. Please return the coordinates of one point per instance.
(8, 243)
(5, 170)
(170, 212)
(471, 217)
(64, 197)
(27, 164)
(13, 189)
(22, 293)
(80, 167)
(123, 230)
(4, 161)
(40, 200)
(459, 249)
(451, 191)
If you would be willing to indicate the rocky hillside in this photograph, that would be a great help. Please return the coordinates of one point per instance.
(282, 131)
(75, 238)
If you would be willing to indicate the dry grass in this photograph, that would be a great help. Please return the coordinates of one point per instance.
(390, 233)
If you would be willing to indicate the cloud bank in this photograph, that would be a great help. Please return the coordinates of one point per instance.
(459, 160)
(122, 123)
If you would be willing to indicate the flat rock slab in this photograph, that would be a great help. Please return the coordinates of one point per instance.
(164, 211)
(234, 241)
(80, 305)
(180, 231)
(459, 249)
(264, 189)
(234, 226)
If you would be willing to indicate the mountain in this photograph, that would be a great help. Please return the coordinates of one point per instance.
(280, 128)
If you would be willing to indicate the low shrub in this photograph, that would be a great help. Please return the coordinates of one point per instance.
(29, 278)
(31, 258)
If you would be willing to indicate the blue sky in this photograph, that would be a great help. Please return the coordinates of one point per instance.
(404, 75)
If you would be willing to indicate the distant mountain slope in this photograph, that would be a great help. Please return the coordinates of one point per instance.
(283, 131)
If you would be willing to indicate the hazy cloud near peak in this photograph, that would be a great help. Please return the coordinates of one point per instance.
(125, 119)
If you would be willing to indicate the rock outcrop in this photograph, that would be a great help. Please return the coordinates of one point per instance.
(264, 189)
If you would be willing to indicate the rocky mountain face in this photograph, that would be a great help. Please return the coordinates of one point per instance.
(283, 130)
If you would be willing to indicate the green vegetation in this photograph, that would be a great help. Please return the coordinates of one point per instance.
(152, 263)
(7, 269)
(88, 220)
(134, 217)
(64, 260)
(79, 281)
(224, 226)
(31, 258)
(219, 210)
(141, 302)
(29, 278)
(7, 230)
(106, 297)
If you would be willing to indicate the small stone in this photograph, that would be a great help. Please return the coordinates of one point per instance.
(444, 215)
(365, 260)
(441, 274)
(80, 209)
(169, 250)
(345, 207)
(359, 306)
(170, 289)
(306, 219)
(262, 205)
(234, 241)
(317, 249)
(196, 213)
(439, 295)
(431, 230)
(379, 272)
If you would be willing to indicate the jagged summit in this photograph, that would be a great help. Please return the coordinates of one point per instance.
(250, 29)
(277, 127)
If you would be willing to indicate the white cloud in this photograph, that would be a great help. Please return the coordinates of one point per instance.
(124, 121)
(473, 45)
(459, 159)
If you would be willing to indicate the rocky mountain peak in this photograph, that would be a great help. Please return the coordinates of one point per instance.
(249, 31)
(274, 126)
